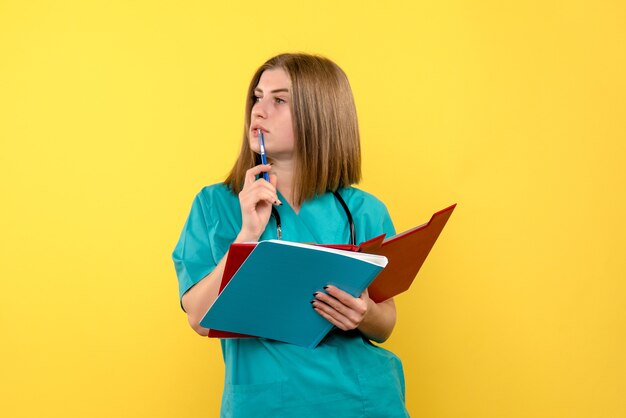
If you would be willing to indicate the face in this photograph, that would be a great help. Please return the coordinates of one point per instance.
(271, 113)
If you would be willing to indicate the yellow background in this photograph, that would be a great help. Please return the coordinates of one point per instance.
(113, 114)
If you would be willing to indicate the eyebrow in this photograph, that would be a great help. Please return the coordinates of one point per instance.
(284, 90)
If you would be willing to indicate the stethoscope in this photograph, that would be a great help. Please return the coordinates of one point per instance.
(279, 232)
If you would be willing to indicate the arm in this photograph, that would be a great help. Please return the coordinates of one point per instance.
(374, 320)
(201, 296)
(256, 199)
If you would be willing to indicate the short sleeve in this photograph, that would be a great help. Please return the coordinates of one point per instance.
(194, 256)
(371, 216)
(387, 223)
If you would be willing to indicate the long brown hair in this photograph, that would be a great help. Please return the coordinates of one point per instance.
(325, 126)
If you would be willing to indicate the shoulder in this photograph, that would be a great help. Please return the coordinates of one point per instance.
(370, 213)
(215, 192)
(215, 201)
(359, 199)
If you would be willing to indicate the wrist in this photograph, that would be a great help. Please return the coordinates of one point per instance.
(244, 236)
(371, 311)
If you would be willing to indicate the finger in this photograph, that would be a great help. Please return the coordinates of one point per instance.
(334, 317)
(251, 173)
(332, 320)
(343, 297)
(331, 301)
(259, 190)
(346, 314)
(259, 184)
(274, 180)
(251, 200)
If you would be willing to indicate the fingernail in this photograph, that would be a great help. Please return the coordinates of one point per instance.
(312, 302)
(325, 287)
(315, 294)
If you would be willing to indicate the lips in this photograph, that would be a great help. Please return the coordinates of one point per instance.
(255, 127)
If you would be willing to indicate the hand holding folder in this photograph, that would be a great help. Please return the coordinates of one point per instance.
(296, 271)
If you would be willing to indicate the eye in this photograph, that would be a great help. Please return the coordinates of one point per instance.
(280, 101)
(256, 99)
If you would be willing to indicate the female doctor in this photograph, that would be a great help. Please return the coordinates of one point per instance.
(304, 107)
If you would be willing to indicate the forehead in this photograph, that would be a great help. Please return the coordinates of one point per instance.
(274, 79)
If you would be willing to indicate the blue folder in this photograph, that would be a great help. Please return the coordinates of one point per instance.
(269, 296)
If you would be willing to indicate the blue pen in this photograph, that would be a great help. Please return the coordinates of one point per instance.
(263, 157)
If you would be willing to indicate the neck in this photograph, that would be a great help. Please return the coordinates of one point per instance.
(284, 171)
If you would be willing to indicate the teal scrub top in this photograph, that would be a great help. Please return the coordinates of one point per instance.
(345, 375)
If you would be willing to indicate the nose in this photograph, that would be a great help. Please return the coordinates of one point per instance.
(258, 110)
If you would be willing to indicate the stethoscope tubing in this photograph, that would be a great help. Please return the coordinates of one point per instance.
(279, 233)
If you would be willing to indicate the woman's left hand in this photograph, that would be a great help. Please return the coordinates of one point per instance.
(342, 309)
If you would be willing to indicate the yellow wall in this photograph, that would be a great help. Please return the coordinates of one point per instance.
(113, 114)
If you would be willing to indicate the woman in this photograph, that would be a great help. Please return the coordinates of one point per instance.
(304, 107)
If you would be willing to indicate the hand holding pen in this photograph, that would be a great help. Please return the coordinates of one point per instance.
(257, 198)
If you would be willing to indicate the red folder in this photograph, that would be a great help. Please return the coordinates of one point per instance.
(237, 254)
(406, 253)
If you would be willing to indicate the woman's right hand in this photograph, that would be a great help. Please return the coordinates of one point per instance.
(256, 200)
